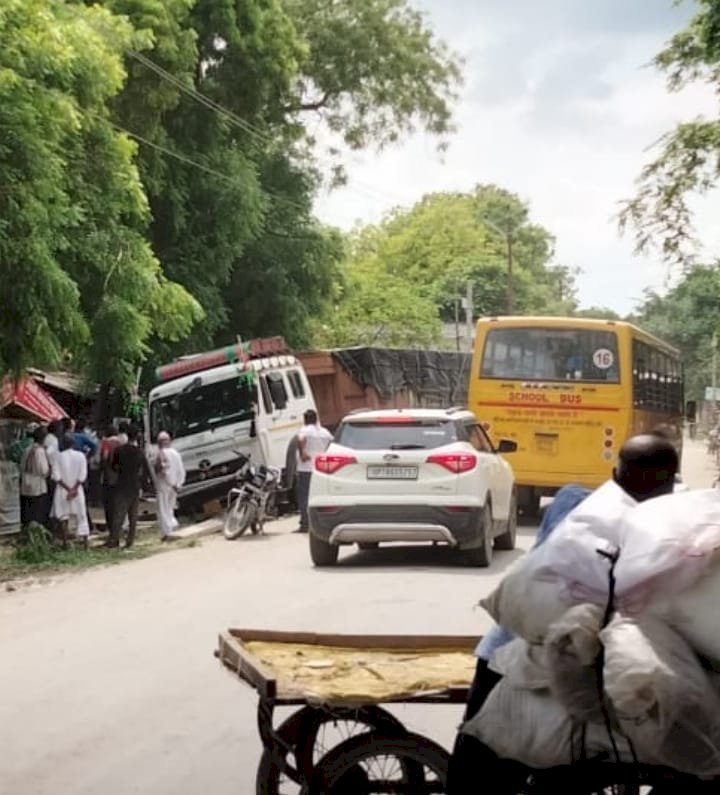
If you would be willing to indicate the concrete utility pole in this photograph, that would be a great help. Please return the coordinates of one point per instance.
(469, 305)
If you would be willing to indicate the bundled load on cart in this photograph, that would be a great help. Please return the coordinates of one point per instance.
(617, 626)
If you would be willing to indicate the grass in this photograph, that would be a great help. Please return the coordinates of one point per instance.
(38, 556)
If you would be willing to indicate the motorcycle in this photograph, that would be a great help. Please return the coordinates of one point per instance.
(252, 499)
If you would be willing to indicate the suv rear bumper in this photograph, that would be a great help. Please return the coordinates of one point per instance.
(359, 524)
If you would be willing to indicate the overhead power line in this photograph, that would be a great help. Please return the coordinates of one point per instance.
(203, 99)
(202, 167)
(362, 189)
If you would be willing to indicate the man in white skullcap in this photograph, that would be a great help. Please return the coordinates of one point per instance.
(169, 478)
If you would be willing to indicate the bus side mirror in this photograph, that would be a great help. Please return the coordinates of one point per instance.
(253, 428)
(507, 446)
(690, 410)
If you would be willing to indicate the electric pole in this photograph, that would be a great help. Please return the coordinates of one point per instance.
(469, 316)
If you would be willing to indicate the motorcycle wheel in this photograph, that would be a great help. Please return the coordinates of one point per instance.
(238, 517)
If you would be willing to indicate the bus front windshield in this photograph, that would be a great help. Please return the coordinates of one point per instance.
(551, 354)
(201, 407)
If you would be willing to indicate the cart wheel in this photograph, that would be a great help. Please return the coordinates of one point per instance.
(375, 762)
(312, 733)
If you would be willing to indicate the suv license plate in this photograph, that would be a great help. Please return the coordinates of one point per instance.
(392, 473)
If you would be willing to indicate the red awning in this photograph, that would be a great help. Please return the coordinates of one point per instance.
(30, 398)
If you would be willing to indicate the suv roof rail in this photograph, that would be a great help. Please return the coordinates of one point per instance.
(453, 409)
(357, 411)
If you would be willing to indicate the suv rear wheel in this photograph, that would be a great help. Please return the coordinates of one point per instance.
(507, 540)
(482, 555)
(322, 553)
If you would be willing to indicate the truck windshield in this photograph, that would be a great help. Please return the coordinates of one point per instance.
(551, 354)
(202, 407)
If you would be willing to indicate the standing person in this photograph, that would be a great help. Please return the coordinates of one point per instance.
(85, 444)
(124, 430)
(70, 474)
(108, 445)
(52, 448)
(312, 440)
(169, 477)
(52, 440)
(129, 464)
(34, 473)
(22, 443)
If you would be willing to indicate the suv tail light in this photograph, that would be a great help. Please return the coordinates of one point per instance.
(454, 462)
(330, 464)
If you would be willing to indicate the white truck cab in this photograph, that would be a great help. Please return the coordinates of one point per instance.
(247, 398)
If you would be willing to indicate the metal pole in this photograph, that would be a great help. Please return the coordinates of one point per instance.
(457, 324)
(469, 316)
(510, 286)
(714, 376)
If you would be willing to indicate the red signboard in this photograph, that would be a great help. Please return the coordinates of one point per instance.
(29, 396)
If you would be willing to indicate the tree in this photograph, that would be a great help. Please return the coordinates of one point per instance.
(688, 162)
(597, 312)
(432, 251)
(80, 283)
(373, 69)
(688, 316)
(227, 83)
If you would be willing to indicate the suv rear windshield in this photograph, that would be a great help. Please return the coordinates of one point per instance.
(401, 435)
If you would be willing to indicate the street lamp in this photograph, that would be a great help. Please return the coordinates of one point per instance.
(508, 235)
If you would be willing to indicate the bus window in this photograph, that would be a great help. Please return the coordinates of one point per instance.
(657, 379)
(551, 354)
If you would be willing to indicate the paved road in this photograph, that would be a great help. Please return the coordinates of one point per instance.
(107, 679)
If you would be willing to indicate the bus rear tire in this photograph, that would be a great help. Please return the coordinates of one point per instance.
(528, 502)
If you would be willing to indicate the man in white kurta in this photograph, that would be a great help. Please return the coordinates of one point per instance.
(169, 477)
(69, 471)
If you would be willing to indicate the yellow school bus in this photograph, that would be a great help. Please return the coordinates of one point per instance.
(570, 391)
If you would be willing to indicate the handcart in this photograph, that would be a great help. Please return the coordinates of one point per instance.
(349, 744)
(371, 751)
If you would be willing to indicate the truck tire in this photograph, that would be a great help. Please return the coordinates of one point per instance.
(322, 553)
(506, 541)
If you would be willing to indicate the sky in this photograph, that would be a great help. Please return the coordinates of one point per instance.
(560, 105)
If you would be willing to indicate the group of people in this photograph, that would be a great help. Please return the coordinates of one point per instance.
(57, 464)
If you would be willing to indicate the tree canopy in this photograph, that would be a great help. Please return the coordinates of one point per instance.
(158, 173)
(688, 162)
(688, 316)
(402, 278)
(76, 265)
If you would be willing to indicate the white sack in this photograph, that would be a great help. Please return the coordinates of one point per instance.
(695, 614)
(665, 545)
(572, 647)
(524, 666)
(663, 700)
(530, 727)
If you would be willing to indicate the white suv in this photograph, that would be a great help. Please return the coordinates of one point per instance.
(412, 475)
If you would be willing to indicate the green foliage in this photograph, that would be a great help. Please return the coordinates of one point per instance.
(373, 69)
(688, 163)
(403, 277)
(158, 176)
(34, 547)
(80, 281)
(687, 317)
(598, 312)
